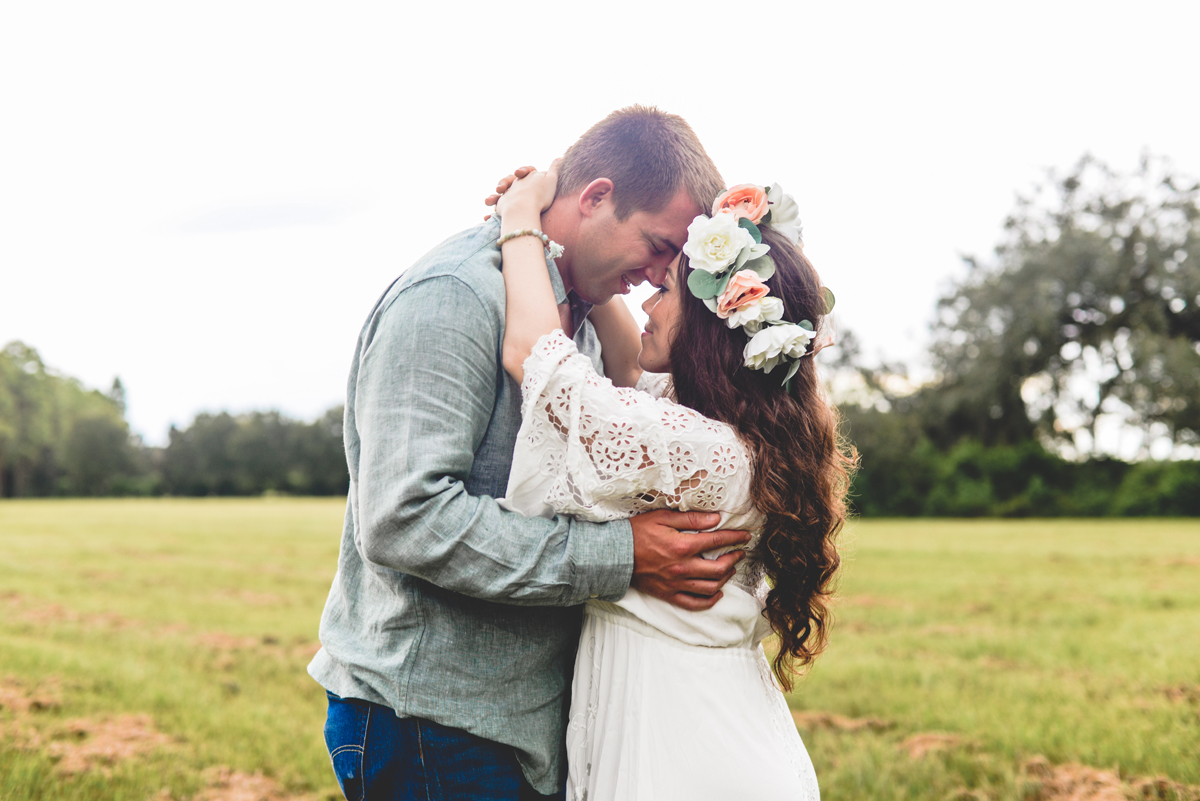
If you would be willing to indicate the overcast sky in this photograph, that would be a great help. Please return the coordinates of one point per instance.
(207, 198)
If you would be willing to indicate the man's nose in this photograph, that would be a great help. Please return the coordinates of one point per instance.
(655, 273)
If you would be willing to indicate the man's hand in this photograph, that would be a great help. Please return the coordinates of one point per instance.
(506, 183)
(503, 185)
(667, 562)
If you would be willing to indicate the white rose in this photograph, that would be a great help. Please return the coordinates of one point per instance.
(775, 343)
(753, 315)
(714, 243)
(785, 214)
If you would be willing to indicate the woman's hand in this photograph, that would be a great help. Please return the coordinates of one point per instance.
(525, 189)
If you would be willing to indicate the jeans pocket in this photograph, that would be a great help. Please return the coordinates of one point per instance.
(345, 737)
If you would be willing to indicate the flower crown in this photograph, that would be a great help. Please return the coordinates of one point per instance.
(730, 264)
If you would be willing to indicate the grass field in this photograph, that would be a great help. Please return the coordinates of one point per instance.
(155, 649)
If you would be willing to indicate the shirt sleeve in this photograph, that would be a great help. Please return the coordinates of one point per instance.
(601, 452)
(424, 397)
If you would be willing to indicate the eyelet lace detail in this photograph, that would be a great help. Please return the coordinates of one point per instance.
(606, 453)
(616, 452)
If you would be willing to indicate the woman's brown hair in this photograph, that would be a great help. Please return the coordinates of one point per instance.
(801, 467)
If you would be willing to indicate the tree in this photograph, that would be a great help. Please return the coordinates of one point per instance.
(1090, 311)
(30, 423)
(254, 453)
(97, 454)
(56, 437)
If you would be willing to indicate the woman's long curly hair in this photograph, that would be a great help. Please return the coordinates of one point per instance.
(801, 465)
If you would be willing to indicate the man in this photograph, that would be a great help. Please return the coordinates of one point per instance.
(451, 627)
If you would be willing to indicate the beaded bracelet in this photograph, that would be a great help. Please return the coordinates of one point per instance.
(549, 244)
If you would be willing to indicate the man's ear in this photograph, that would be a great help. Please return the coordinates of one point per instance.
(595, 195)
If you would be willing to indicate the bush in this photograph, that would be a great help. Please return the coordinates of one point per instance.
(903, 474)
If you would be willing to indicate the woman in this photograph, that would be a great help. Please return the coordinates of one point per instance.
(668, 703)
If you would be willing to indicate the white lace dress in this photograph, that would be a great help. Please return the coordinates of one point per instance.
(665, 704)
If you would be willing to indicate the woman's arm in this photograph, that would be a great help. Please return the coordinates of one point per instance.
(531, 312)
(620, 341)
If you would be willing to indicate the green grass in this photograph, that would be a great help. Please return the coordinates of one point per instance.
(202, 614)
(1024, 638)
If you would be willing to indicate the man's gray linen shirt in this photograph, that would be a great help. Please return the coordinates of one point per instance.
(446, 606)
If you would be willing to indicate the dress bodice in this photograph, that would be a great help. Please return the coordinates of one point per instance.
(598, 452)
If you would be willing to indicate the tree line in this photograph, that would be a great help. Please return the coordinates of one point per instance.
(58, 438)
(1081, 331)
(1085, 321)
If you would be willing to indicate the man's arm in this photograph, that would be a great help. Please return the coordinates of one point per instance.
(423, 401)
(620, 341)
(424, 396)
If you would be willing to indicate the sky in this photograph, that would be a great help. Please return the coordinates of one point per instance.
(206, 199)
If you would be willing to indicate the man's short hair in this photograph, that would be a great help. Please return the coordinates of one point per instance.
(649, 156)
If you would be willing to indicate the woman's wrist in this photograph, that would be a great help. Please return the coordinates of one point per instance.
(517, 218)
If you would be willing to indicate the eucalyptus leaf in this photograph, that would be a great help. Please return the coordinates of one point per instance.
(766, 218)
(703, 284)
(752, 228)
(763, 266)
(749, 254)
(791, 371)
(806, 325)
(829, 298)
(724, 282)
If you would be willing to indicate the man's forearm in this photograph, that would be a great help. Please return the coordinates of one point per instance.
(471, 545)
(424, 398)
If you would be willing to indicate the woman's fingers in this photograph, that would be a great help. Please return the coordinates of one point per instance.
(505, 184)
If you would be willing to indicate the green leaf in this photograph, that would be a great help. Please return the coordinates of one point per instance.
(723, 283)
(829, 298)
(806, 325)
(750, 254)
(704, 284)
(766, 218)
(764, 266)
(791, 371)
(752, 228)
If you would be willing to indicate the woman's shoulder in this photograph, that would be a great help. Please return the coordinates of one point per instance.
(654, 384)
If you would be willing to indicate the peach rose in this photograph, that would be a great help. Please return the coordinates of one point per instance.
(743, 200)
(744, 287)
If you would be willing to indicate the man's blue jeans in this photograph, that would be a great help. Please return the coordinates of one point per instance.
(380, 757)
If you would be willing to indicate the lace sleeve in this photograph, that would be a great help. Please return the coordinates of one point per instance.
(600, 452)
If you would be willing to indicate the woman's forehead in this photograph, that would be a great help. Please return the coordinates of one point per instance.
(672, 276)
